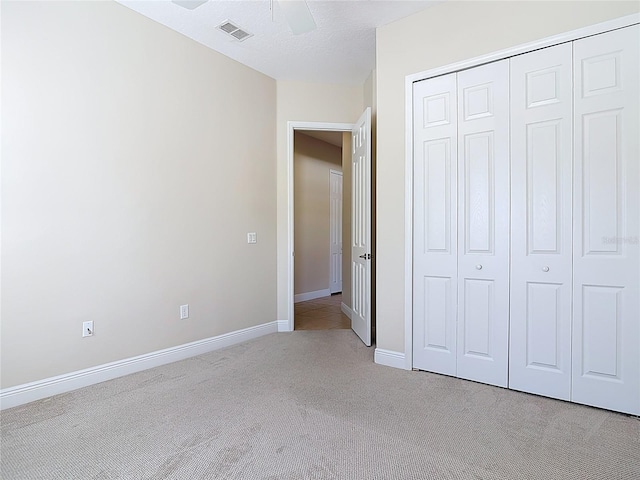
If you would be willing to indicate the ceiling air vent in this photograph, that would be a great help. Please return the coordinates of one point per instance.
(234, 30)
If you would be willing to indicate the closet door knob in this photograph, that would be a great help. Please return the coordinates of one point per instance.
(545, 269)
(478, 267)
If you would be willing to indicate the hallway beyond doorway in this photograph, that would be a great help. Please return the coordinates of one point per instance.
(321, 314)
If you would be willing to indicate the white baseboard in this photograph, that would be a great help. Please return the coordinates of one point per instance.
(389, 358)
(346, 310)
(303, 297)
(29, 392)
(283, 326)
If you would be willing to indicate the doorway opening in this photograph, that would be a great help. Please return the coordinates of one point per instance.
(360, 251)
(321, 225)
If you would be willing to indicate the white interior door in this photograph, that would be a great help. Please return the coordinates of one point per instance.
(435, 202)
(335, 231)
(541, 248)
(606, 326)
(483, 223)
(361, 228)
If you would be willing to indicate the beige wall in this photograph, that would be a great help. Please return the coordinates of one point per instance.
(369, 91)
(134, 162)
(444, 34)
(304, 102)
(313, 160)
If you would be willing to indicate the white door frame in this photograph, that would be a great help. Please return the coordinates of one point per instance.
(291, 128)
(408, 173)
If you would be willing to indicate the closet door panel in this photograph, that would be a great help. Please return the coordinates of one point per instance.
(606, 332)
(541, 213)
(483, 223)
(434, 225)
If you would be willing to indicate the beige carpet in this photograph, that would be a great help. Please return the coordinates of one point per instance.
(310, 405)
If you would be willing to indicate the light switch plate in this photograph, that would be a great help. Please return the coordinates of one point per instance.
(252, 237)
(184, 311)
(87, 329)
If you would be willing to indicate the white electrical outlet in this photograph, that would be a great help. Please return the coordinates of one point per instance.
(252, 237)
(87, 329)
(184, 311)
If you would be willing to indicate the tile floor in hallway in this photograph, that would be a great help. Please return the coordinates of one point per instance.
(320, 314)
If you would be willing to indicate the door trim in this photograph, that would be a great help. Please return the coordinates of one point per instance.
(408, 173)
(291, 128)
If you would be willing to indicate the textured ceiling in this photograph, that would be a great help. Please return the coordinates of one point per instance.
(340, 50)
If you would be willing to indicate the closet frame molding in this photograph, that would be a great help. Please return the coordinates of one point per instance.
(570, 36)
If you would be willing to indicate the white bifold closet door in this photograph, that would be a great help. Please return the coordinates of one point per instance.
(606, 260)
(483, 223)
(461, 224)
(527, 222)
(435, 256)
(541, 219)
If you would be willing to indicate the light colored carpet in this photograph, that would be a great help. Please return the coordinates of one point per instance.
(310, 405)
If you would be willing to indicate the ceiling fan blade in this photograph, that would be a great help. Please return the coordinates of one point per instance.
(189, 4)
(298, 16)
